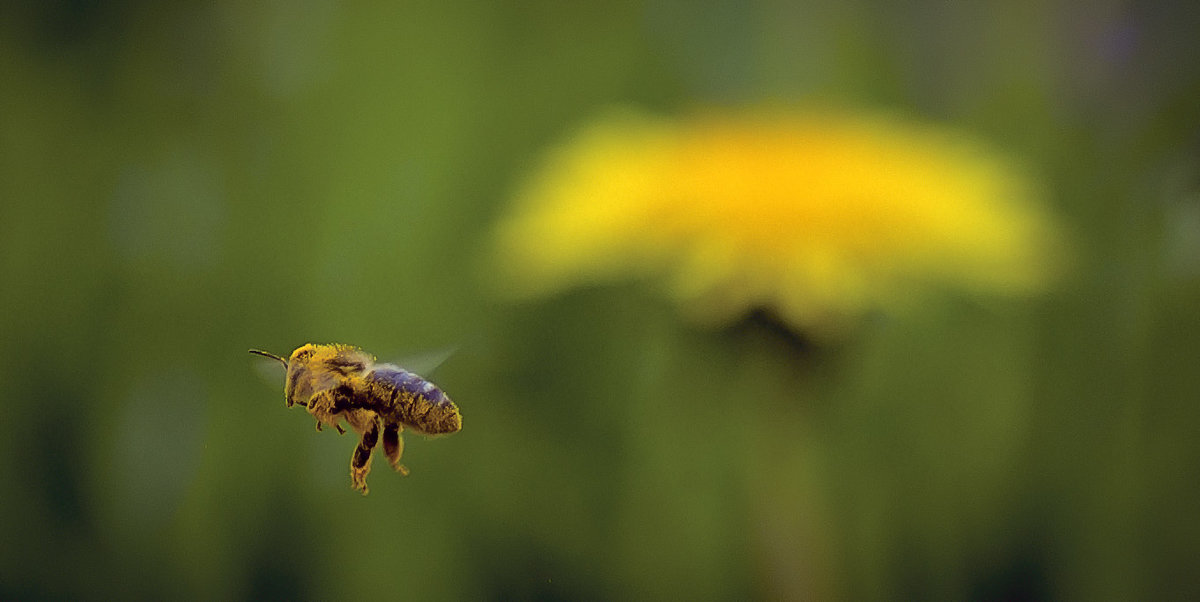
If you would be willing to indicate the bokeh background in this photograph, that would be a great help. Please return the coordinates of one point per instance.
(182, 182)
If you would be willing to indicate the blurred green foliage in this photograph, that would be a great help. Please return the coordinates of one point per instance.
(179, 183)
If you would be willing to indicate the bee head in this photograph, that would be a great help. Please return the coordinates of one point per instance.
(302, 354)
(299, 386)
(292, 367)
(295, 366)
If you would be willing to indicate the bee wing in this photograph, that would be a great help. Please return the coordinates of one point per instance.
(424, 362)
(270, 371)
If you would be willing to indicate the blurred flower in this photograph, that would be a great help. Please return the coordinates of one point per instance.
(814, 216)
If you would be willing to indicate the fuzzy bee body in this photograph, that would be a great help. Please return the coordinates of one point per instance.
(413, 401)
(343, 383)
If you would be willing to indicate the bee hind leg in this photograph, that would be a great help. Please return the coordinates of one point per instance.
(360, 461)
(393, 446)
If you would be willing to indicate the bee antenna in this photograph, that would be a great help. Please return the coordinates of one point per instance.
(270, 355)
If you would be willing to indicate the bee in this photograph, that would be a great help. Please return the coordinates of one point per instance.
(341, 382)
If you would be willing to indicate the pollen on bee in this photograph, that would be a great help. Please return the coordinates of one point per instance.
(341, 382)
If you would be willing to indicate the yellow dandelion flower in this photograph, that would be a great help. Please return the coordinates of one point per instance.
(815, 216)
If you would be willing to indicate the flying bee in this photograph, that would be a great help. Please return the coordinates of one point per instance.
(342, 382)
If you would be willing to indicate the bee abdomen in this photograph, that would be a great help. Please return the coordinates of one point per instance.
(407, 388)
(414, 401)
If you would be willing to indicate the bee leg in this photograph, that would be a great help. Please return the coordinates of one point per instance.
(360, 462)
(324, 407)
(393, 446)
(340, 430)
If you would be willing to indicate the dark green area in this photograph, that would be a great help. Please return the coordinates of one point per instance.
(180, 183)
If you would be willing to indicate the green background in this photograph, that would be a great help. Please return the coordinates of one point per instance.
(181, 183)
